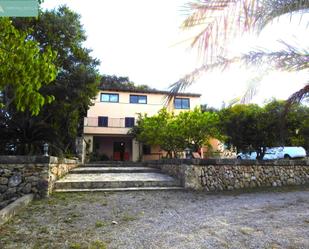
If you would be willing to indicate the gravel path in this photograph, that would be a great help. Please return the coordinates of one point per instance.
(170, 219)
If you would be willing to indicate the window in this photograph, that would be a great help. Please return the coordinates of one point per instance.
(129, 122)
(103, 121)
(110, 97)
(146, 149)
(138, 99)
(182, 103)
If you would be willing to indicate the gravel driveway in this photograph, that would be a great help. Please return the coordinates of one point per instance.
(170, 219)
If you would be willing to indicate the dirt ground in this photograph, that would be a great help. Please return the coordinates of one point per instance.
(168, 219)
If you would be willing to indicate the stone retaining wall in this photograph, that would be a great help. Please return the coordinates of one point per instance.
(230, 174)
(21, 175)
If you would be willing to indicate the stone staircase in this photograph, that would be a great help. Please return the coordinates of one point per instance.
(115, 176)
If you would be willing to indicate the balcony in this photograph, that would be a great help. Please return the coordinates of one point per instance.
(112, 122)
(114, 126)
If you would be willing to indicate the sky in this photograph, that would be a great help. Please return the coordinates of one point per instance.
(141, 39)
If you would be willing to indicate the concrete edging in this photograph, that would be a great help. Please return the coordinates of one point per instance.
(15, 207)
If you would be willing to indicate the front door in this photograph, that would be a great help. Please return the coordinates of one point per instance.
(119, 151)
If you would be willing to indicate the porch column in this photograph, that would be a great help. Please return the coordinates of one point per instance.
(135, 150)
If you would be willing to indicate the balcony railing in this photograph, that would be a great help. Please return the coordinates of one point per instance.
(112, 122)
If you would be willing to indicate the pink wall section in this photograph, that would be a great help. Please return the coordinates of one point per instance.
(106, 145)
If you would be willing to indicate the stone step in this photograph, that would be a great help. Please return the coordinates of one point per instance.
(120, 189)
(86, 170)
(115, 180)
(113, 164)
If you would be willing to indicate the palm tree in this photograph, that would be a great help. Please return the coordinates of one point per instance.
(220, 21)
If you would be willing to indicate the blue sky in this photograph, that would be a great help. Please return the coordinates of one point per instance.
(141, 39)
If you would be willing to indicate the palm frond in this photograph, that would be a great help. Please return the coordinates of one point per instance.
(190, 78)
(271, 10)
(252, 87)
(219, 21)
(300, 95)
(288, 58)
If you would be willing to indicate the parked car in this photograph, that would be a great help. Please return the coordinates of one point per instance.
(275, 153)
(290, 152)
(251, 155)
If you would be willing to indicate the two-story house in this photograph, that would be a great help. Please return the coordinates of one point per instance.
(114, 112)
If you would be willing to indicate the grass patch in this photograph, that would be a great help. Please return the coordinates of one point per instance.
(65, 198)
(274, 246)
(39, 245)
(43, 230)
(71, 217)
(93, 245)
(246, 230)
(68, 220)
(98, 245)
(75, 246)
(104, 203)
(74, 215)
(100, 224)
(127, 217)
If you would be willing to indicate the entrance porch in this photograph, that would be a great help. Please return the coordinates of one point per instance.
(114, 147)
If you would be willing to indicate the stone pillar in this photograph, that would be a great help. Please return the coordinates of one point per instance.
(79, 145)
(202, 152)
(87, 147)
(135, 150)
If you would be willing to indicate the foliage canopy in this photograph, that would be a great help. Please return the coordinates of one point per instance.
(24, 70)
(250, 127)
(173, 133)
(76, 84)
(120, 83)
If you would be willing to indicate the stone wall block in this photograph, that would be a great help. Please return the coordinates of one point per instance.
(4, 180)
(32, 179)
(15, 180)
(27, 188)
(3, 188)
(10, 192)
(6, 172)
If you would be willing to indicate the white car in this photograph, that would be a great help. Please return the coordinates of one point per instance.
(276, 153)
(290, 152)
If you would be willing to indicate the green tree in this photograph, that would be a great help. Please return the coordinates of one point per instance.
(294, 128)
(74, 87)
(24, 70)
(198, 127)
(121, 83)
(161, 129)
(244, 128)
(250, 127)
(206, 108)
(219, 22)
(174, 133)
